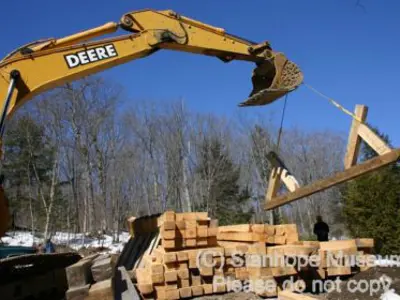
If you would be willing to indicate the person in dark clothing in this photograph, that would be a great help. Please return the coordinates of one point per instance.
(321, 230)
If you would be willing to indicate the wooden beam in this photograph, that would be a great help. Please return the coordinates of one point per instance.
(101, 290)
(79, 274)
(129, 293)
(279, 174)
(79, 292)
(272, 189)
(373, 140)
(235, 228)
(365, 243)
(346, 175)
(353, 145)
(273, 183)
(289, 181)
(286, 178)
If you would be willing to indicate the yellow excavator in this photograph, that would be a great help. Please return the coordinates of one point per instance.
(43, 65)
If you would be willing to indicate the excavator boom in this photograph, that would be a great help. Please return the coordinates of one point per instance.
(51, 63)
(42, 65)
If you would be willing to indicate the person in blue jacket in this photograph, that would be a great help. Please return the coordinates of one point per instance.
(49, 247)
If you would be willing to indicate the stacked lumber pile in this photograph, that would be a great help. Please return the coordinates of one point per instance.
(269, 234)
(339, 250)
(187, 230)
(262, 240)
(173, 270)
(90, 278)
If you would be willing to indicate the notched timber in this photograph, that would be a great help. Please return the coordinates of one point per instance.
(346, 175)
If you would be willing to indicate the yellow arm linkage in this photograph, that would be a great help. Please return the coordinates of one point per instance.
(48, 64)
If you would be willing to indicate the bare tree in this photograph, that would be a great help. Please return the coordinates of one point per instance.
(110, 163)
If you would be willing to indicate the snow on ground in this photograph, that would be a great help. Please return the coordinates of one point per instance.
(390, 295)
(20, 238)
(79, 240)
(384, 262)
(74, 241)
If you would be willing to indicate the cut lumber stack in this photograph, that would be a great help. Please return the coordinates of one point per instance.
(187, 230)
(269, 234)
(172, 271)
(196, 257)
(177, 274)
(333, 255)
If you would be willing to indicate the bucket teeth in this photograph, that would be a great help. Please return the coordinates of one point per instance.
(273, 79)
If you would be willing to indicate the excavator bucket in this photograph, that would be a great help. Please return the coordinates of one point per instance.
(272, 79)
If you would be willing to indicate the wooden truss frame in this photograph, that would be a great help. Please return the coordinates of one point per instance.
(359, 132)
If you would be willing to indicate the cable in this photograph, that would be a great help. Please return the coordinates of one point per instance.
(281, 126)
(335, 103)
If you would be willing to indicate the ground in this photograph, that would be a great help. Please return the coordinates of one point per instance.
(378, 283)
(376, 277)
(230, 296)
(370, 285)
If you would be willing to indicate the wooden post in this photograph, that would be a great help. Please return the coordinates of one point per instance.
(273, 183)
(273, 188)
(353, 146)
